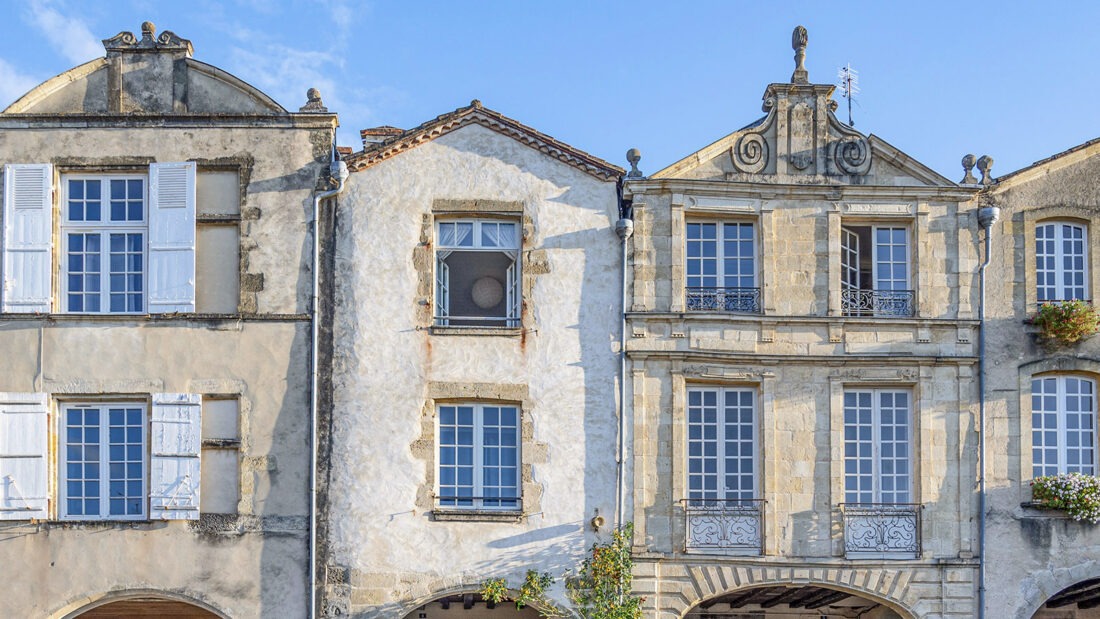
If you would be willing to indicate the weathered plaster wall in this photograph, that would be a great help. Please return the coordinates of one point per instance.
(249, 564)
(1032, 553)
(385, 550)
(279, 167)
(256, 177)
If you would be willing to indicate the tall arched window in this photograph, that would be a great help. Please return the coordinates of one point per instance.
(1063, 425)
(1061, 261)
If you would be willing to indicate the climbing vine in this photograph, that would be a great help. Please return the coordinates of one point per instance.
(602, 588)
(531, 593)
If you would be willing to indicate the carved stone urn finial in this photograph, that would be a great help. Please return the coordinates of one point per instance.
(968, 167)
(799, 39)
(633, 156)
(313, 102)
(985, 164)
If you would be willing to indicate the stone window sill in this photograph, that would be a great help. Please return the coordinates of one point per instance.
(476, 515)
(1035, 509)
(480, 331)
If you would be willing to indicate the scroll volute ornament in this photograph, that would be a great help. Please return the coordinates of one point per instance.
(852, 154)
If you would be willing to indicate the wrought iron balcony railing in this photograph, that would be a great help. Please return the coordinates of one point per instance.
(480, 502)
(859, 302)
(725, 526)
(882, 530)
(709, 299)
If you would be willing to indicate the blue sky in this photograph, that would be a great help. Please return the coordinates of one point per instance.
(1016, 81)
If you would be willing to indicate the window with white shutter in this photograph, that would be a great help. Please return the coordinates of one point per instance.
(175, 448)
(23, 456)
(28, 203)
(172, 237)
(127, 241)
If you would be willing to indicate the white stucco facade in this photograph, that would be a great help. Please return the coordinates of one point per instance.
(392, 545)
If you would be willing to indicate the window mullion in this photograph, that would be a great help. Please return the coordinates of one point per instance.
(479, 459)
(104, 464)
(876, 447)
(1061, 417)
(720, 452)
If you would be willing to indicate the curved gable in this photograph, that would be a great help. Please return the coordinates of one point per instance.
(150, 75)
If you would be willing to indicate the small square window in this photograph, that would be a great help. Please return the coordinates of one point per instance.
(477, 273)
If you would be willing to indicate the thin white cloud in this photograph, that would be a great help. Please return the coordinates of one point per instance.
(68, 33)
(13, 84)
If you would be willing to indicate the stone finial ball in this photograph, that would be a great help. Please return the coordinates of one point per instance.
(313, 94)
(148, 28)
(968, 161)
(985, 163)
(633, 155)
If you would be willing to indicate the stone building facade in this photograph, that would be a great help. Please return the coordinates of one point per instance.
(1041, 395)
(154, 423)
(477, 306)
(803, 355)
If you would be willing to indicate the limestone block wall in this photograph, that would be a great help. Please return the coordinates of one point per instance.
(388, 549)
(1033, 553)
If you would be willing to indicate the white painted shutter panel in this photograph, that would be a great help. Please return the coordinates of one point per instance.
(176, 443)
(24, 483)
(28, 206)
(171, 237)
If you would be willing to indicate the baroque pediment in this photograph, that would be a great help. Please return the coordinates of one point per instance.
(801, 141)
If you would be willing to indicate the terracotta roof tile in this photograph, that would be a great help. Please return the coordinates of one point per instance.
(479, 114)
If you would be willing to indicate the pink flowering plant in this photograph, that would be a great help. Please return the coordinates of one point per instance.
(1078, 494)
(1066, 321)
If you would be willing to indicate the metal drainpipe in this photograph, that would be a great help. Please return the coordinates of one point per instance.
(625, 229)
(987, 216)
(339, 171)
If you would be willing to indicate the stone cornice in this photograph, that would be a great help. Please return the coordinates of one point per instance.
(475, 113)
(9, 121)
(772, 191)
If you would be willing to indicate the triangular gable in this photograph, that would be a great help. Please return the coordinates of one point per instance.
(476, 113)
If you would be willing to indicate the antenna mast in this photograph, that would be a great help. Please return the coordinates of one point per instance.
(849, 87)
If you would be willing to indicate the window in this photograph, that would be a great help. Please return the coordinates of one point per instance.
(1061, 270)
(875, 271)
(479, 456)
(877, 446)
(1063, 425)
(103, 235)
(721, 267)
(126, 460)
(103, 461)
(477, 273)
(126, 240)
(721, 425)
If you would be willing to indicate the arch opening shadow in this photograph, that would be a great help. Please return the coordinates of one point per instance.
(1078, 601)
(470, 606)
(147, 608)
(791, 602)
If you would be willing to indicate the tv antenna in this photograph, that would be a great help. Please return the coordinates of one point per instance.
(849, 87)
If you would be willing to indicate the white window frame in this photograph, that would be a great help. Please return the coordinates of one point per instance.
(876, 459)
(513, 286)
(1062, 291)
(104, 228)
(720, 257)
(876, 264)
(478, 501)
(104, 459)
(698, 438)
(1048, 440)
